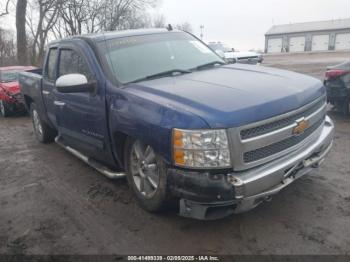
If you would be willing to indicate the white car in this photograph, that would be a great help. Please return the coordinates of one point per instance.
(232, 56)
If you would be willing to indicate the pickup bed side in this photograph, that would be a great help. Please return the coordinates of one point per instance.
(31, 89)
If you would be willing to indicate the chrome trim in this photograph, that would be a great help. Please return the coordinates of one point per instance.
(240, 146)
(279, 117)
(264, 177)
(59, 103)
(94, 164)
(280, 134)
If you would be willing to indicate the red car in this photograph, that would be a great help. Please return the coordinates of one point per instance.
(10, 97)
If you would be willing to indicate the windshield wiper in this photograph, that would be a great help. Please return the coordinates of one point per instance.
(163, 74)
(210, 65)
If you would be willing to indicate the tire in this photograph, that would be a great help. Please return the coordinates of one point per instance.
(4, 109)
(145, 168)
(43, 132)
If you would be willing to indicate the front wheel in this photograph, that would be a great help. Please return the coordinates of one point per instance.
(146, 174)
(42, 131)
(4, 109)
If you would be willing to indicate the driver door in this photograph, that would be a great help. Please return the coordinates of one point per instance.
(81, 117)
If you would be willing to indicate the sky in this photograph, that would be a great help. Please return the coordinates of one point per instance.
(239, 23)
(242, 24)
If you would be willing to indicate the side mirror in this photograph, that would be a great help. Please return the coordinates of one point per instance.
(220, 53)
(74, 83)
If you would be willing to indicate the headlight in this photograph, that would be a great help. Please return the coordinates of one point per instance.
(201, 148)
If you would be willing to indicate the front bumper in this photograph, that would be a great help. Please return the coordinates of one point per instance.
(213, 195)
(13, 101)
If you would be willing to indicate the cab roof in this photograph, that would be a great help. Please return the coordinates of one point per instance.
(19, 68)
(97, 37)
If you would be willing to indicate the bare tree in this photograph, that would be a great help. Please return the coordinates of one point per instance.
(7, 48)
(21, 8)
(159, 21)
(6, 11)
(186, 26)
(79, 16)
(41, 26)
(116, 14)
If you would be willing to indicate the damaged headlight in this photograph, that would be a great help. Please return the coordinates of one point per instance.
(201, 148)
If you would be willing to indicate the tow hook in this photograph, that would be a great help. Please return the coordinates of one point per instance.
(268, 198)
(238, 185)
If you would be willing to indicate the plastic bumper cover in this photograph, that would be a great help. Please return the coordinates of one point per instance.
(206, 195)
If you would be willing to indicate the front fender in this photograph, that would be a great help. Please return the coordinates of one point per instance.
(148, 119)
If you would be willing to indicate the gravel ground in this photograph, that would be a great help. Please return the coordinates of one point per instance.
(52, 203)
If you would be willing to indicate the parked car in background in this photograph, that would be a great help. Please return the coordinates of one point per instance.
(164, 110)
(10, 97)
(337, 82)
(232, 56)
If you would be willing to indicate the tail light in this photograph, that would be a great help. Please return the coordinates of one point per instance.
(335, 73)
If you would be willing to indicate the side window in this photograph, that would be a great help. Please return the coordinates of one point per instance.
(50, 64)
(72, 63)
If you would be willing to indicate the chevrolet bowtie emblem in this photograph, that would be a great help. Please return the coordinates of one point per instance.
(302, 125)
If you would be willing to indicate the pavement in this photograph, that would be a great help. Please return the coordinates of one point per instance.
(52, 203)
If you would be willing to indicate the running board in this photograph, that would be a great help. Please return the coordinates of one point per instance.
(94, 164)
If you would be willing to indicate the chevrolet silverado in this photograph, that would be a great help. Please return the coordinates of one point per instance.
(161, 108)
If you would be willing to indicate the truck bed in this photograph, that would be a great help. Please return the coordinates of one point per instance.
(30, 85)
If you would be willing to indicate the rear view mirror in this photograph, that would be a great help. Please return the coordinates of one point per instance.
(74, 83)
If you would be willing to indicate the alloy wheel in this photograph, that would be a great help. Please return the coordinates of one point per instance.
(37, 123)
(144, 169)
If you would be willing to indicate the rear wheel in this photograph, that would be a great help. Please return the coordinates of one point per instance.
(146, 174)
(42, 131)
(4, 109)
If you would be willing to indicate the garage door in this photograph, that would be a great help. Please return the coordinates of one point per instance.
(297, 44)
(342, 42)
(274, 45)
(320, 42)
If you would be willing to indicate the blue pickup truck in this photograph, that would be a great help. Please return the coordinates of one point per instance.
(163, 109)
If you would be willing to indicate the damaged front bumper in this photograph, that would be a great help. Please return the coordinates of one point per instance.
(213, 195)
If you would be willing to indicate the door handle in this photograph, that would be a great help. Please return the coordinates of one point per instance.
(59, 103)
(46, 92)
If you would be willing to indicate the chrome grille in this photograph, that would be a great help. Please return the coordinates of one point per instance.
(270, 127)
(270, 150)
(266, 140)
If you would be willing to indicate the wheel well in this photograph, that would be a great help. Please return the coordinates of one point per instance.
(120, 140)
(28, 100)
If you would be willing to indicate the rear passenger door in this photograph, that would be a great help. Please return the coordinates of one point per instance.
(48, 84)
(81, 117)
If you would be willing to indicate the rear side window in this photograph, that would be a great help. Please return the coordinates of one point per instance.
(72, 63)
(50, 73)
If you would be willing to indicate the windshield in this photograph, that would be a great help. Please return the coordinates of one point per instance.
(8, 76)
(220, 46)
(133, 58)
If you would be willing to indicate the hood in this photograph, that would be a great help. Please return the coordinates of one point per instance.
(10, 87)
(233, 95)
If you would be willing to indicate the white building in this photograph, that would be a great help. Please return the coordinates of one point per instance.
(310, 36)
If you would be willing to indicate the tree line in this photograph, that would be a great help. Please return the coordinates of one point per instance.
(40, 21)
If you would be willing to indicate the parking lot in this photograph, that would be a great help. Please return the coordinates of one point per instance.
(52, 203)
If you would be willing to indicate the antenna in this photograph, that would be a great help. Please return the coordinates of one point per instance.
(169, 27)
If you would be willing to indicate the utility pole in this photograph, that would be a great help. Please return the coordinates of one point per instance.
(202, 30)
